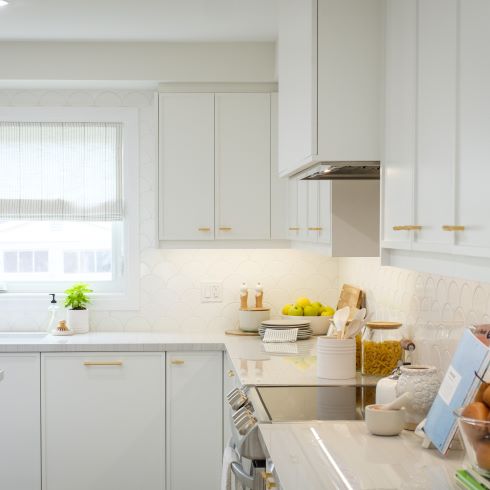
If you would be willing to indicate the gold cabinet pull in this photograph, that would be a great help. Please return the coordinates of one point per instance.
(453, 228)
(204, 229)
(102, 363)
(407, 228)
(315, 229)
(225, 228)
(177, 362)
(231, 373)
(294, 228)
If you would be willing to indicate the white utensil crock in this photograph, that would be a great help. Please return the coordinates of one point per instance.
(336, 359)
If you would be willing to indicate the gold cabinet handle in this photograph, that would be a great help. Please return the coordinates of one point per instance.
(294, 228)
(231, 373)
(315, 229)
(453, 228)
(102, 363)
(225, 228)
(204, 229)
(177, 362)
(407, 228)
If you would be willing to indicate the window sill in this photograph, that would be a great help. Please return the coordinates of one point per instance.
(100, 301)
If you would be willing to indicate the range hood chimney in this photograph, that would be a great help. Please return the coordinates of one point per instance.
(368, 170)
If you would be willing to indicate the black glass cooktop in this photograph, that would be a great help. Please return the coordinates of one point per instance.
(296, 403)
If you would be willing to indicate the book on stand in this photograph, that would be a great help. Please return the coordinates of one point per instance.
(458, 388)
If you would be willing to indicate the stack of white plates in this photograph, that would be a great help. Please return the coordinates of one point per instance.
(304, 329)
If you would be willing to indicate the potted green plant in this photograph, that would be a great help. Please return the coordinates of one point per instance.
(76, 301)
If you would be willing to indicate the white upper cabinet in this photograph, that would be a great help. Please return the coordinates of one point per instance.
(436, 122)
(243, 153)
(218, 174)
(473, 196)
(437, 180)
(186, 176)
(20, 416)
(279, 185)
(399, 128)
(329, 65)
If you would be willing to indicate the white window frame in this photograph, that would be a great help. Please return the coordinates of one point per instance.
(126, 267)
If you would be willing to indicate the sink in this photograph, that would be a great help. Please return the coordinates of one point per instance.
(22, 335)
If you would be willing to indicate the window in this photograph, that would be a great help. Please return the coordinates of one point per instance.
(65, 213)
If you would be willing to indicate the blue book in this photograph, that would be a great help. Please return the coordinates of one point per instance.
(459, 386)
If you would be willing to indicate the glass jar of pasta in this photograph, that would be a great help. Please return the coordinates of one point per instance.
(381, 348)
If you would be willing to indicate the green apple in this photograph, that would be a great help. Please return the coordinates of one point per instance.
(295, 311)
(318, 307)
(310, 311)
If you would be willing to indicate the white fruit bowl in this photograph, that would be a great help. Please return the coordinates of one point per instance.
(319, 324)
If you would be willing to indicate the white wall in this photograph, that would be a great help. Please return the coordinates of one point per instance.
(185, 62)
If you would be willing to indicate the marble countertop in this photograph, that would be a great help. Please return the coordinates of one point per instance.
(322, 455)
(255, 363)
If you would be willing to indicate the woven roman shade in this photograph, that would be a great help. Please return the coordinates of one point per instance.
(61, 171)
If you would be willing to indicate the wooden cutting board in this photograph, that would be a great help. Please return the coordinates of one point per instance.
(350, 296)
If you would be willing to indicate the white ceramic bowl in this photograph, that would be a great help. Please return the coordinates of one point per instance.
(319, 324)
(384, 422)
(250, 320)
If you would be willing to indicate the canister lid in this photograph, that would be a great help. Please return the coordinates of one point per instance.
(384, 325)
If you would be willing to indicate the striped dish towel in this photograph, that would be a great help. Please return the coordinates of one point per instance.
(280, 335)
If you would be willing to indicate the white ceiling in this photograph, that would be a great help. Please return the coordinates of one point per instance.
(139, 20)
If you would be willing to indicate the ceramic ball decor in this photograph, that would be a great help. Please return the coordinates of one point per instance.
(423, 383)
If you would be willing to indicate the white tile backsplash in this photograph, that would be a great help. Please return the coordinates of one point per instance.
(433, 309)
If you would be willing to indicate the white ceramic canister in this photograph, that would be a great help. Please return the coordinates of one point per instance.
(336, 359)
(423, 382)
(78, 320)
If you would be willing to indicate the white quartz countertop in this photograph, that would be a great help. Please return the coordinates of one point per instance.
(322, 455)
(255, 363)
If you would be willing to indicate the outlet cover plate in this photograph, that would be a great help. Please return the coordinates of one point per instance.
(211, 292)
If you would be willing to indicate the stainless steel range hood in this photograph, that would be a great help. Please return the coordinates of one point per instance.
(369, 170)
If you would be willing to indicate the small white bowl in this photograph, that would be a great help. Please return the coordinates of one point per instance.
(384, 422)
(319, 324)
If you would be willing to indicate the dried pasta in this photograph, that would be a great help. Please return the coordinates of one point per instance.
(358, 352)
(380, 358)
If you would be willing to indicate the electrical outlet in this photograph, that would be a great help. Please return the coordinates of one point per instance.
(211, 292)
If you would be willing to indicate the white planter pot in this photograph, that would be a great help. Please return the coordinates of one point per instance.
(78, 320)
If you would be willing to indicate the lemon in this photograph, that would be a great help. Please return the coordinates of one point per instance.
(328, 311)
(285, 309)
(302, 302)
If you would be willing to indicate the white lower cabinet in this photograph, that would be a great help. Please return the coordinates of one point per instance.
(20, 431)
(194, 420)
(103, 424)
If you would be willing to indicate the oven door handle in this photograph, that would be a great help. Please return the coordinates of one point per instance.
(242, 477)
